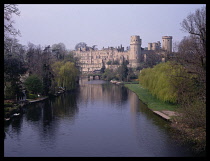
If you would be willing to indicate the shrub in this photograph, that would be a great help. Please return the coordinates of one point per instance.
(33, 96)
(33, 84)
(8, 104)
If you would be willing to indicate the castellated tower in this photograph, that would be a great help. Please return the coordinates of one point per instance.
(167, 43)
(135, 50)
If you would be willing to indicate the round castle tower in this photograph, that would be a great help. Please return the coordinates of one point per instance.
(135, 50)
(167, 43)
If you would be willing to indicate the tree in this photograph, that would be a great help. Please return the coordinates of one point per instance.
(94, 47)
(34, 59)
(192, 89)
(195, 24)
(122, 71)
(103, 68)
(109, 74)
(152, 59)
(47, 78)
(59, 50)
(80, 45)
(47, 73)
(131, 74)
(192, 49)
(109, 62)
(116, 62)
(70, 57)
(33, 84)
(14, 67)
(39, 63)
(9, 10)
(65, 74)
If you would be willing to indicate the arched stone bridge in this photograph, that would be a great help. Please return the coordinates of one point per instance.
(94, 76)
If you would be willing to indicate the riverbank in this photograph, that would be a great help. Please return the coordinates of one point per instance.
(13, 108)
(194, 136)
(165, 110)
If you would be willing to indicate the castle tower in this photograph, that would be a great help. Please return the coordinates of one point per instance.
(167, 43)
(135, 50)
(149, 46)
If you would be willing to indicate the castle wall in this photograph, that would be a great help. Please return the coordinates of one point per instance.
(91, 60)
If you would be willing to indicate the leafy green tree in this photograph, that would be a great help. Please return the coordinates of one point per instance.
(33, 84)
(65, 74)
(122, 72)
(109, 74)
(131, 74)
(163, 79)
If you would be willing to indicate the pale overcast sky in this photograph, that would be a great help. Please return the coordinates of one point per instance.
(100, 24)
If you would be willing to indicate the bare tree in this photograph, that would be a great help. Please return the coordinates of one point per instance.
(192, 50)
(80, 45)
(192, 85)
(59, 50)
(94, 47)
(152, 58)
(9, 10)
(195, 24)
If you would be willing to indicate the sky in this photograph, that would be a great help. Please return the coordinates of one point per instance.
(100, 24)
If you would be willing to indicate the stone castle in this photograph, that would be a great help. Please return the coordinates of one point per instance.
(93, 60)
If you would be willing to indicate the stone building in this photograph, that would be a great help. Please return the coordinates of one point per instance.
(167, 43)
(93, 60)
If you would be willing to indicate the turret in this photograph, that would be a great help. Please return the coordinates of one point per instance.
(135, 49)
(167, 43)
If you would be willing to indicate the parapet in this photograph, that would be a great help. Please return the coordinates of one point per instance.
(167, 37)
(135, 40)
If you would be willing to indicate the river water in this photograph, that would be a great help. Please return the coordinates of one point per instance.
(98, 120)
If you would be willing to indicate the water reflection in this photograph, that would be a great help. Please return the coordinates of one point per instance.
(97, 90)
(64, 106)
(99, 119)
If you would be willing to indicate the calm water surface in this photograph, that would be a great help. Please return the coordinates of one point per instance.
(100, 119)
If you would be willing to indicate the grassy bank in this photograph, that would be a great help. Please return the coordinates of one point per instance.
(152, 102)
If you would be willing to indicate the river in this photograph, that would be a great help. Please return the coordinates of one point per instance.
(100, 119)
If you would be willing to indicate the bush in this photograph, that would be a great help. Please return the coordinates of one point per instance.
(33, 84)
(8, 104)
(32, 96)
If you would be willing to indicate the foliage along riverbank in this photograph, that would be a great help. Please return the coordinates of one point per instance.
(13, 107)
(196, 137)
(152, 102)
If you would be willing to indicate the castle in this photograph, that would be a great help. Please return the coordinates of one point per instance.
(93, 60)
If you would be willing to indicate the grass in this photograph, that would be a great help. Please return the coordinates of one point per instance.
(152, 102)
(134, 82)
